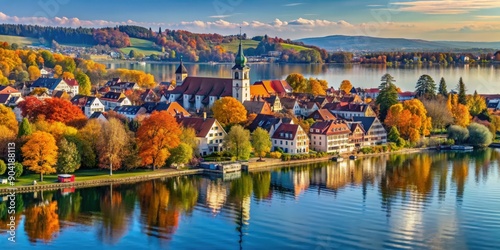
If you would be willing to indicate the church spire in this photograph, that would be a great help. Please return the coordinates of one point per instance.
(240, 60)
(181, 69)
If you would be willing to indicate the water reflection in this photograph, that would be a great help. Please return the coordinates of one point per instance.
(401, 187)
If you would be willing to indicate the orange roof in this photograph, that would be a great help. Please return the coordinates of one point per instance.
(258, 90)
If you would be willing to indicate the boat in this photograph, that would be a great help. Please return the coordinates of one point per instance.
(353, 157)
(142, 63)
(337, 159)
(462, 148)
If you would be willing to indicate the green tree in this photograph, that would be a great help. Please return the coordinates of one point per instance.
(462, 97)
(476, 104)
(68, 158)
(24, 128)
(3, 167)
(84, 83)
(443, 88)
(387, 97)
(132, 54)
(458, 133)
(237, 142)
(181, 154)
(84, 148)
(393, 135)
(22, 76)
(261, 142)
(479, 135)
(188, 136)
(426, 87)
(18, 170)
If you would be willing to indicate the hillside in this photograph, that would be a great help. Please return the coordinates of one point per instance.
(141, 46)
(21, 41)
(365, 43)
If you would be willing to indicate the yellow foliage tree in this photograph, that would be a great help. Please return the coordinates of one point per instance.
(40, 153)
(346, 86)
(8, 118)
(34, 72)
(58, 70)
(316, 87)
(476, 104)
(410, 118)
(68, 75)
(461, 115)
(228, 111)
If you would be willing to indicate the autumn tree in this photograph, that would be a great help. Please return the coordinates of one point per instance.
(315, 87)
(261, 142)
(40, 153)
(298, 82)
(229, 111)
(425, 87)
(3, 167)
(68, 157)
(462, 97)
(443, 91)
(410, 119)
(387, 97)
(237, 141)
(460, 112)
(8, 118)
(441, 116)
(89, 135)
(34, 72)
(84, 83)
(346, 86)
(111, 144)
(476, 104)
(156, 136)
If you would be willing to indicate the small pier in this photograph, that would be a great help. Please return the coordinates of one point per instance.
(221, 167)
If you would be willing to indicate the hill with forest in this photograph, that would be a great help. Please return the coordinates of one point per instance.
(166, 45)
(366, 43)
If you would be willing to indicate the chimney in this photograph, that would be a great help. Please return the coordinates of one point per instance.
(204, 116)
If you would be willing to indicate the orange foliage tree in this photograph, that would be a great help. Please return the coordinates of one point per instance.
(460, 112)
(30, 107)
(316, 88)
(156, 136)
(40, 153)
(410, 118)
(8, 118)
(34, 72)
(54, 109)
(41, 222)
(346, 86)
(229, 111)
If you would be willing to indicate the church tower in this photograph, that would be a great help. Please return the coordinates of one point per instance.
(241, 76)
(180, 74)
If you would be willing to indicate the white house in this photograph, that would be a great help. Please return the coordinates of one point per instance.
(209, 133)
(291, 138)
(375, 133)
(51, 84)
(291, 104)
(111, 100)
(351, 110)
(88, 104)
(308, 108)
(330, 136)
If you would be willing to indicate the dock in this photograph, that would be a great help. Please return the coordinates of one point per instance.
(221, 167)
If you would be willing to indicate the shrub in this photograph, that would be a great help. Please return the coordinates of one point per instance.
(18, 169)
(3, 167)
(285, 157)
(479, 135)
(366, 150)
(458, 133)
(275, 155)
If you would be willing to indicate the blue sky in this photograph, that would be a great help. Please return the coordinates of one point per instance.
(466, 20)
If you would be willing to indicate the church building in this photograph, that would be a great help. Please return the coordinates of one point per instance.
(199, 93)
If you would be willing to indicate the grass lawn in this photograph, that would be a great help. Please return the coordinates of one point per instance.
(22, 41)
(294, 47)
(141, 46)
(233, 46)
(84, 175)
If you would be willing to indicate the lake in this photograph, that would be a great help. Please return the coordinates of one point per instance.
(415, 201)
(483, 78)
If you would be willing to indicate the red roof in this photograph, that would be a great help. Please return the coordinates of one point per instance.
(71, 82)
(275, 86)
(286, 131)
(205, 86)
(372, 90)
(330, 128)
(406, 94)
(200, 125)
(8, 90)
(323, 115)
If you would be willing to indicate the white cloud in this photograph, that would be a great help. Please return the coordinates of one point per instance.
(446, 6)
(292, 4)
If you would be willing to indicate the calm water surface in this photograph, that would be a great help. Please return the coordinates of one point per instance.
(418, 201)
(485, 79)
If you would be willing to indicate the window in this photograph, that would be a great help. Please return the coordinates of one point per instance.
(286, 143)
(220, 134)
(281, 142)
(275, 142)
(236, 76)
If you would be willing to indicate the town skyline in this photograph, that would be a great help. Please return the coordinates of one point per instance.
(454, 20)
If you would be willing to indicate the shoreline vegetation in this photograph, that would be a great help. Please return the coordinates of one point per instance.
(92, 178)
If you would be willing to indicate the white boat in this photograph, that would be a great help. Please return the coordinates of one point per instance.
(142, 63)
(337, 159)
(462, 148)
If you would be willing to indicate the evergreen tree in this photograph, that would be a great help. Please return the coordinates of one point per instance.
(132, 54)
(24, 128)
(388, 95)
(462, 97)
(393, 135)
(442, 87)
(425, 87)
